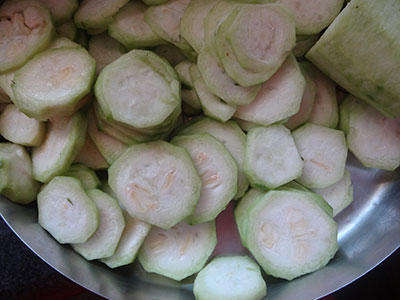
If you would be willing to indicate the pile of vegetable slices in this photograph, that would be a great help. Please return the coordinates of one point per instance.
(190, 105)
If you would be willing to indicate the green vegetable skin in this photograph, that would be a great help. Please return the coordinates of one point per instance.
(361, 52)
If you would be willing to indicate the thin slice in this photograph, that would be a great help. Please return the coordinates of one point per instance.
(65, 137)
(180, 251)
(230, 278)
(16, 181)
(156, 182)
(105, 240)
(218, 172)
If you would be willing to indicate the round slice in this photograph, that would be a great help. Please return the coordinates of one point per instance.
(139, 89)
(218, 172)
(66, 211)
(230, 278)
(156, 182)
(105, 240)
(25, 29)
(324, 151)
(271, 158)
(53, 83)
(178, 252)
(86, 175)
(290, 234)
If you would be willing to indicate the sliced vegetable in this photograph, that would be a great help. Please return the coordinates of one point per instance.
(61, 11)
(178, 252)
(66, 211)
(90, 156)
(87, 176)
(68, 30)
(171, 53)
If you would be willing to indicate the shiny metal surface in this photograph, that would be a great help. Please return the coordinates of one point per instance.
(369, 231)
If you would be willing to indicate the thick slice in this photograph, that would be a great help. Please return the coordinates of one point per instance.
(154, 2)
(338, 195)
(271, 158)
(16, 181)
(218, 172)
(373, 138)
(325, 109)
(347, 53)
(4, 98)
(129, 27)
(18, 128)
(139, 89)
(190, 102)
(220, 84)
(261, 36)
(212, 106)
(109, 147)
(156, 182)
(230, 278)
(65, 137)
(279, 97)
(183, 70)
(6, 80)
(61, 11)
(306, 105)
(242, 210)
(97, 14)
(90, 156)
(164, 20)
(68, 30)
(105, 240)
(25, 29)
(131, 240)
(52, 83)
(233, 138)
(312, 16)
(303, 44)
(104, 50)
(192, 22)
(171, 53)
(66, 211)
(178, 252)
(290, 234)
(324, 152)
(63, 42)
(86, 175)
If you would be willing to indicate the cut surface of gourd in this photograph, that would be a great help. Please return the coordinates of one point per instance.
(111, 225)
(61, 11)
(26, 29)
(156, 182)
(324, 151)
(90, 156)
(218, 172)
(271, 158)
(178, 252)
(66, 211)
(16, 181)
(64, 139)
(373, 138)
(87, 176)
(18, 128)
(53, 82)
(230, 278)
(289, 234)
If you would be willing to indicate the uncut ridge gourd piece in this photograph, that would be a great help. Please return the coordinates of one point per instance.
(156, 182)
(97, 14)
(139, 89)
(233, 138)
(16, 127)
(64, 139)
(26, 29)
(111, 225)
(178, 252)
(61, 11)
(230, 278)
(66, 211)
(16, 181)
(53, 82)
(373, 138)
(132, 237)
(218, 171)
(271, 158)
(290, 232)
(347, 53)
(164, 20)
(324, 151)
(129, 27)
(279, 97)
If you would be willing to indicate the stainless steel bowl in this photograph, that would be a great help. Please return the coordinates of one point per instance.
(369, 231)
